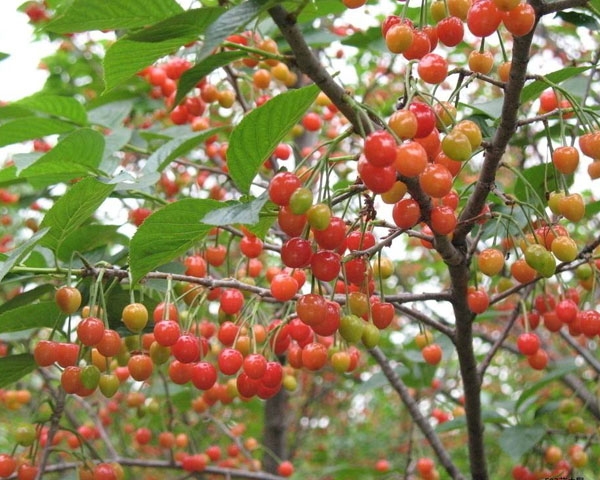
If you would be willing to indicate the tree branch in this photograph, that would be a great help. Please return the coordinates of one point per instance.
(413, 408)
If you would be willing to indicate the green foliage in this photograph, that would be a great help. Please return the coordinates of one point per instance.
(257, 135)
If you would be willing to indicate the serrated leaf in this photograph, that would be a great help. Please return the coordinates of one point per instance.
(73, 209)
(12, 110)
(491, 109)
(19, 253)
(57, 106)
(184, 24)
(192, 76)
(230, 22)
(111, 115)
(259, 132)
(175, 148)
(168, 233)
(35, 315)
(84, 15)
(76, 155)
(29, 128)
(579, 19)
(27, 297)
(534, 89)
(86, 239)
(15, 367)
(516, 441)
(128, 56)
(245, 213)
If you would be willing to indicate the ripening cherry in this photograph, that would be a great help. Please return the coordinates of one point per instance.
(432, 353)
(565, 159)
(443, 220)
(436, 180)
(481, 62)
(478, 301)
(311, 308)
(399, 37)
(68, 299)
(285, 469)
(406, 213)
(231, 300)
(483, 18)
(420, 46)
(538, 360)
(411, 158)
(314, 356)
(426, 119)
(135, 317)
(90, 331)
(293, 225)
(8, 465)
(519, 20)
(140, 367)
(380, 148)
(281, 187)
(528, 343)
(377, 179)
(312, 122)
(325, 265)
(283, 287)
(450, 31)
(432, 68)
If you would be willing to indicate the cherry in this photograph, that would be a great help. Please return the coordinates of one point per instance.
(450, 31)
(203, 375)
(186, 349)
(528, 343)
(377, 179)
(406, 213)
(432, 353)
(281, 187)
(425, 118)
(325, 265)
(432, 68)
(311, 308)
(140, 367)
(8, 465)
(231, 301)
(286, 468)
(314, 356)
(436, 180)
(380, 148)
(483, 18)
(296, 252)
(255, 365)
(167, 332)
(284, 287)
(135, 317)
(68, 299)
(90, 331)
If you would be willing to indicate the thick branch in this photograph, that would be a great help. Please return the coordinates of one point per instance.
(413, 408)
(309, 64)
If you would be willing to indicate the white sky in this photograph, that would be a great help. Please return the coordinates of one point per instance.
(19, 75)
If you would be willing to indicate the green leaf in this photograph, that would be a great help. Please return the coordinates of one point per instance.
(230, 22)
(191, 77)
(579, 19)
(370, 38)
(27, 297)
(66, 108)
(128, 56)
(15, 367)
(35, 315)
(111, 115)
(76, 155)
(491, 109)
(168, 233)
(559, 372)
(74, 208)
(534, 89)
(30, 128)
(259, 132)
(86, 239)
(592, 209)
(3, 56)
(20, 252)
(84, 15)
(245, 213)
(516, 441)
(173, 149)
